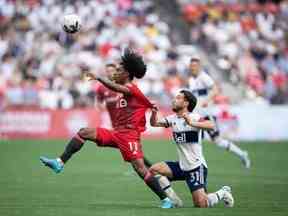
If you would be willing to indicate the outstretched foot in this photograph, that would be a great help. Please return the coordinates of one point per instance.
(53, 164)
(246, 160)
(166, 203)
(177, 202)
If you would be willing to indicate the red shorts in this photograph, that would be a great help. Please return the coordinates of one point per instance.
(127, 141)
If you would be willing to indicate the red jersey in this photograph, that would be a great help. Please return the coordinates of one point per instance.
(126, 111)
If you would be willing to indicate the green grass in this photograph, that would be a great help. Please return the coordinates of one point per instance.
(97, 182)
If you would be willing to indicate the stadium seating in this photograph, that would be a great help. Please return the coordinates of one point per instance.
(40, 65)
(246, 41)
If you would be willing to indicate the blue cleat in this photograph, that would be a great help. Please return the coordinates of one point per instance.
(166, 203)
(54, 164)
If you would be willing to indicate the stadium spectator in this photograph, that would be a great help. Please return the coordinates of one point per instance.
(248, 39)
(40, 64)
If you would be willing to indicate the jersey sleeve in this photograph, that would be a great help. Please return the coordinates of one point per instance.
(135, 92)
(195, 117)
(209, 82)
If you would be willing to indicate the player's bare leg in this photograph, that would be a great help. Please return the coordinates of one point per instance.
(200, 198)
(151, 181)
(131, 171)
(162, 171)
(74, 145)
(233, 148)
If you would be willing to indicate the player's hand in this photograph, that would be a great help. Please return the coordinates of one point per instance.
(154, 107)
(89, 76)
(185, 116)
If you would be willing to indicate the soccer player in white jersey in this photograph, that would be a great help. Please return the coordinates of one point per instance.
(191, 167)
(204, 88)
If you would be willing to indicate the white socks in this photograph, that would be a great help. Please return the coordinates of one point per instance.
(163, 181)
(214, 198)
(166, 186)
(230, 146)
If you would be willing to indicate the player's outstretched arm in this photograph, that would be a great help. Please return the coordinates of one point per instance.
(108, 83)
(206, 124)
(114, 86)
(154, 122)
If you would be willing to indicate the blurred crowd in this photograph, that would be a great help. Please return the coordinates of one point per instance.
(41, 65)
(246, 40)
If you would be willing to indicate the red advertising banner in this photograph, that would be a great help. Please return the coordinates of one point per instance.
(57, 124)
(234, 123)
(46, 124)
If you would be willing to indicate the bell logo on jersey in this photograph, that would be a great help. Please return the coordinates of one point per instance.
(122, 103)
(180, 138)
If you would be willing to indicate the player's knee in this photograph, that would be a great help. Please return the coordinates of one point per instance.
(82, 132)
(154, 169)
(86, 133)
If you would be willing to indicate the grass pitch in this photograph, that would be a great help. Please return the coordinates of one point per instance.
(97, 182)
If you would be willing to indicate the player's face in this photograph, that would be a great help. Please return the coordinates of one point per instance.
(179, 102)
(120, 76)
(110, 70)
(194, 67)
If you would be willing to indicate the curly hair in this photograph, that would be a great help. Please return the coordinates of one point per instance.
(133, 64)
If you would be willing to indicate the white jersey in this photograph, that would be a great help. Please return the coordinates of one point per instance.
(200, 87)
(188, 141)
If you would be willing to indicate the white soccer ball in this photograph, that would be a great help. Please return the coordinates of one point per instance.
(71, 23)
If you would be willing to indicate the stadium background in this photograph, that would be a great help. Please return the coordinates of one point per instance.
(243, 45)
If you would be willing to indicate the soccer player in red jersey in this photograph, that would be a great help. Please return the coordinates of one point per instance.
(128, 122)
(108, 98)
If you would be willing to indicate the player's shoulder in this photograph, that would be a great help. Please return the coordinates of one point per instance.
(137, 94)
(133, 87)
(207, 79)
(195, 116)
(130, 84)
(171, 117)
(204, 75)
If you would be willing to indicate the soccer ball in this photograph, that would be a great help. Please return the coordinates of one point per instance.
(71, 23)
